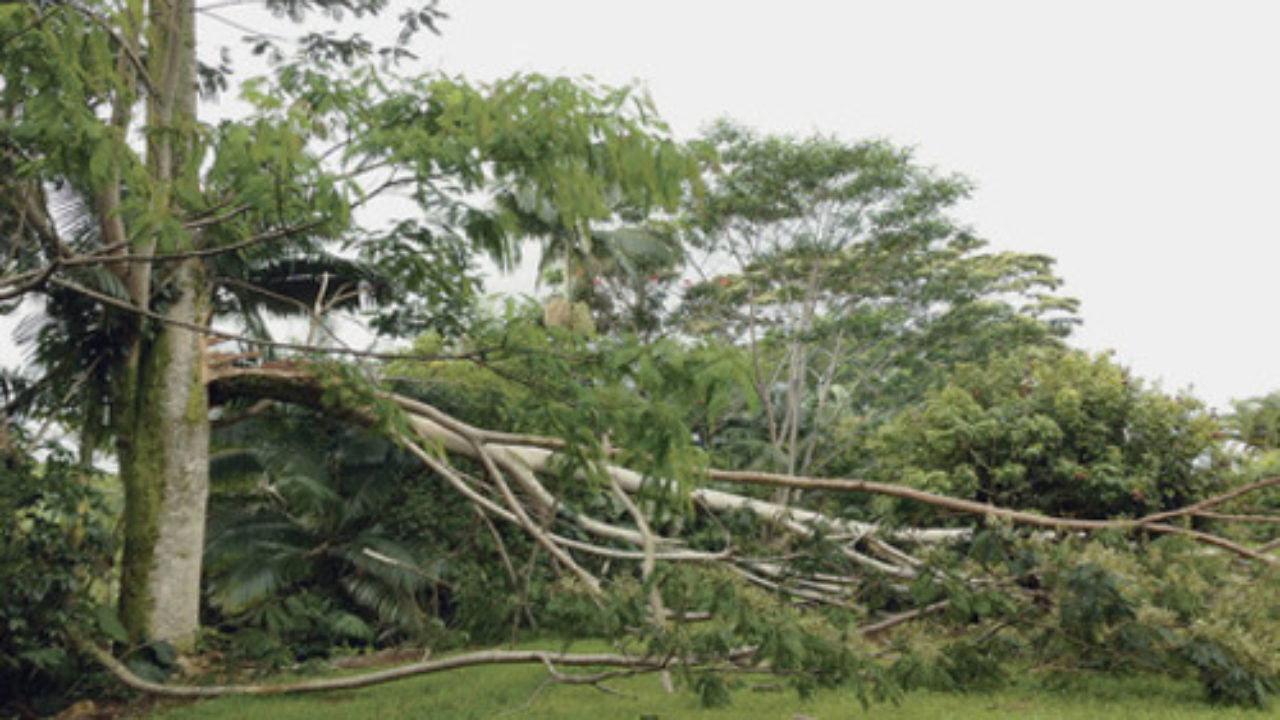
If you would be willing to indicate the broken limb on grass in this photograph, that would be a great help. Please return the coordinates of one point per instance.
(485, 657)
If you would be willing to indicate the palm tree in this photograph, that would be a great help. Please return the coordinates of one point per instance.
(298, 508)
(611, 272)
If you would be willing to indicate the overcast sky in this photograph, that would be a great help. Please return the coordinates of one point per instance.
(1136, 142)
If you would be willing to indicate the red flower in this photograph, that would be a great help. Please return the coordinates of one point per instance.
(724, 281)
(596, 281)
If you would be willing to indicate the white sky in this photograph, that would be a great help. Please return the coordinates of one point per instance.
(1137, 142)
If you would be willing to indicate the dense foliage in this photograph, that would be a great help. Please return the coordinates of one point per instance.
(1061, 432)
(55, 554)
(1256, 422)
(645, 457)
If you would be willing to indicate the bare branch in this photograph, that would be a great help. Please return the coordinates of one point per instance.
(539, 536)
(26, 282)
(976, 508)
(259, 342)
(206, 221)
(1228, 517)
(893, 621)
(487, 657)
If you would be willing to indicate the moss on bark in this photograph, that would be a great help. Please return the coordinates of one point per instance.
(163, 447)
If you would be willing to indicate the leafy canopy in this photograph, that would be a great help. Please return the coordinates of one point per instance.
(1059, 431)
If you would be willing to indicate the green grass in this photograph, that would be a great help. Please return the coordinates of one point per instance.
(520, 692)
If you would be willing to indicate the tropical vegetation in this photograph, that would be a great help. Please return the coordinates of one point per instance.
(779, 412)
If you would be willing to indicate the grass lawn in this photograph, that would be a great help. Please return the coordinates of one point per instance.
(520, 692)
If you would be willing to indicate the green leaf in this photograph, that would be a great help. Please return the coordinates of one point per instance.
(163, 653)
(110, 625)
(45, 658)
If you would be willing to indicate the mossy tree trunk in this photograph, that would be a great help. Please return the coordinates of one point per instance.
(161, 407)
(163, 447)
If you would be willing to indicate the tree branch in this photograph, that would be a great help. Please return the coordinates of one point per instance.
(486, 657)
(223, 335)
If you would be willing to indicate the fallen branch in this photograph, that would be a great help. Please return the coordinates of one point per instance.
(523, 457)
(875, 629)
(486, 657)
(1152, 522)
(1228, 517)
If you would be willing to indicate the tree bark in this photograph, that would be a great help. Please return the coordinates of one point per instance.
(164, 464)
(160, 407)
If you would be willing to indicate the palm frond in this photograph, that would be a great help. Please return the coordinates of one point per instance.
(229, 465)
(248, 584)
(387, 604)
(292, 286)
(348, 626)
(318, 527)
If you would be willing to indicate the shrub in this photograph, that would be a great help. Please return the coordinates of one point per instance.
(53, 546)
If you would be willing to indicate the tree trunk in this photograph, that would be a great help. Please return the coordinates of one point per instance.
(162, 418)
(164, 463)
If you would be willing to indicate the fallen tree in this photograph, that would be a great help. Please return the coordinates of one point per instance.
(521, 458)
(503, 476)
